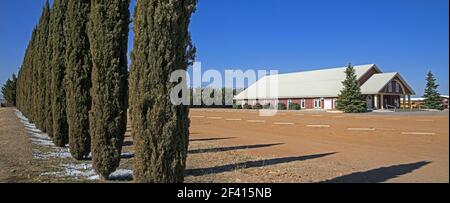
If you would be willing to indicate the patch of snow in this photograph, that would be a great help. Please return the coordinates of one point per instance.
(73, 170)
(36, 135)
(122, 174)
(119, 175)
(59, 153)
(127, 155)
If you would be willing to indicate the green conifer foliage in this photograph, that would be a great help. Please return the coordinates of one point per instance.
(58, 98)
(9, 90)
(40, 69)
(78, 77)
(350, 99)
(108, 37)
(160, 129)
(432, 97)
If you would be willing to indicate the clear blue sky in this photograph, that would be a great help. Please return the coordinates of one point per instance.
(408, 36)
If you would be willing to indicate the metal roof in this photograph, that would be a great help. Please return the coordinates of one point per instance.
(377, 82)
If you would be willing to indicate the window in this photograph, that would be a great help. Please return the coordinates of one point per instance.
(390, 87)
(397, 87)
(317, 103)
(303, 104)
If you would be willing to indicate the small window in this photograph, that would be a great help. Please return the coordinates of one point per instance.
(390, 87)
(317, 103)
(303, 104)
(397, 87)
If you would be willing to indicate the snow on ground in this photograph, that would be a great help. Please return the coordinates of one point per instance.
(36, 135)
(71, 170)
(119, 175)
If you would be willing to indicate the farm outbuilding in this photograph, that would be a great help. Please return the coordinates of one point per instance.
(319, 89)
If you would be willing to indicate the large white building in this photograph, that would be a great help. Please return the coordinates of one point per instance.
(319, 89)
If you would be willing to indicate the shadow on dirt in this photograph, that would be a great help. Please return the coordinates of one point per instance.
(252, 164)
(211, 139)
(128, 143)
(379, 175)
(234, 148)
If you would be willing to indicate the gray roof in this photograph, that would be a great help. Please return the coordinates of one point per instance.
(310, 84)
(378, 81)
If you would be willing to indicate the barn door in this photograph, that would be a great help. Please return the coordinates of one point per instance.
(328, 104)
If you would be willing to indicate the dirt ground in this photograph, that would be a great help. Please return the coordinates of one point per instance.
(324, 147)
(15, 148)
(235, 146)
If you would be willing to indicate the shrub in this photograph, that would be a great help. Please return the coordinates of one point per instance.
(247, 106)
(257, 106)
(294, 106)
(281, 106)
(267, 106)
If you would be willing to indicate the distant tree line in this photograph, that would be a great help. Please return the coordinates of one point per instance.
(213, 97)
(9, 91)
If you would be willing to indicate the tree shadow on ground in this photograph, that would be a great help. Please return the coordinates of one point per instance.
(234, 148)
(251, 164)
(128, 143)
(211, 139)
(379, 175)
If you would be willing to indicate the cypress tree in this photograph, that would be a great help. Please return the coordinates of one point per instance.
(432, 97)
(108, 37)
(350, 99)
(57, 91)
(40, 70)
(24, 83)
(160, 129)
(78, 77)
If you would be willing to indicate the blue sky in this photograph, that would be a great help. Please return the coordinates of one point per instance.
(408, 36)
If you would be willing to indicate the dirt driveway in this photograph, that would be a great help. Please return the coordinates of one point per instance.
(15, 148)
(323, 147)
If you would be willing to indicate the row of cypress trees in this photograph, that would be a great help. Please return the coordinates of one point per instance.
(73, 83)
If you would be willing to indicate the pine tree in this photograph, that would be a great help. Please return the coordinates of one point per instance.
(108, 37)
(78, 77)
(160, 129)
(56, 46)
(9, 90)
(432, 97)
(351, 100)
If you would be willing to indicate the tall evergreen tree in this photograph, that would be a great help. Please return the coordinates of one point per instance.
(160, 129)
(57, 91)
(432, 97)
(108, 37)
(46, 78)
(9, 90)
(78, 77)
(351, 100)
(25, 80)
(40, 70)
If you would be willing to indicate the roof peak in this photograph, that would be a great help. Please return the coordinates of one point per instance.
(329, 69)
